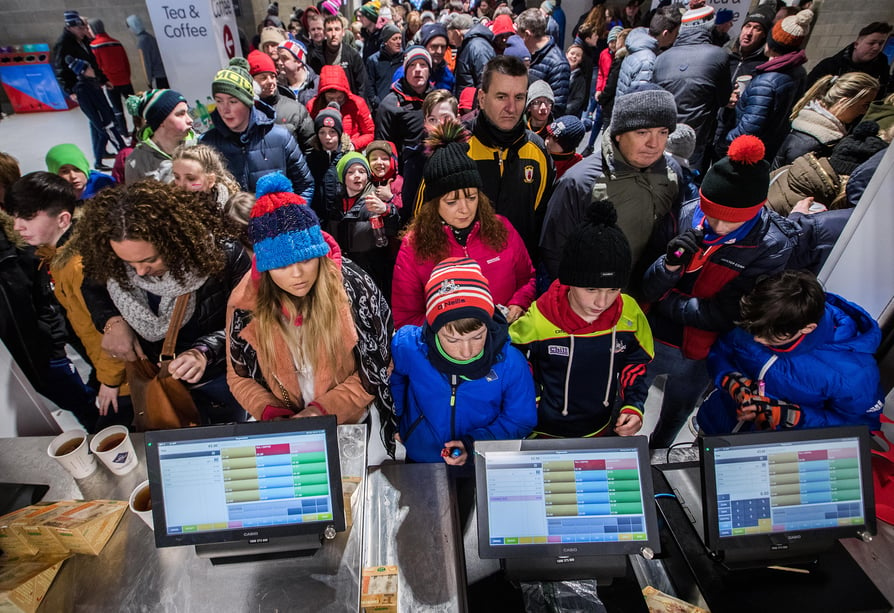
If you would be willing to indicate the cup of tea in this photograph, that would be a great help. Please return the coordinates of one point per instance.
(141, 503)
(72, 451)
(742, 82)
(114, 448)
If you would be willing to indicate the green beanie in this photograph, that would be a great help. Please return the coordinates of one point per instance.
(235, 80)
(60, 155)
(348, 160)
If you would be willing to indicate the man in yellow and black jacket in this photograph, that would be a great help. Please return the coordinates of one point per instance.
(587, 343)
(514, 165)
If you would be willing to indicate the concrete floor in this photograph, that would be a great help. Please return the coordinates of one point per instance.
(28, 136)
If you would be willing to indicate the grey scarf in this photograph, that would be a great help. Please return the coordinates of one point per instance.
(133, 303)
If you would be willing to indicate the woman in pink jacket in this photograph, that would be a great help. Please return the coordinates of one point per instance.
(457, 220)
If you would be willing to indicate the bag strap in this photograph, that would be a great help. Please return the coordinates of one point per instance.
(170, 344)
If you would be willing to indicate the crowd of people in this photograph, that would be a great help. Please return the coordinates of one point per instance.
(394, 214)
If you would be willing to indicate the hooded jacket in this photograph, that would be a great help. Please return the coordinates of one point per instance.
(433, 407)
(637, 66)
(357, 121)
(693, 305)
(581, 369)
(766, 103)
(380, 75)
(697, 74)
(263, 148)
(549, 64)
(146, 43)
(509, 273)
(476, 50)
(400, 119)
(830, 373)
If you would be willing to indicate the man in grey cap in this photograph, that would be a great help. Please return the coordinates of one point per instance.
(632, 171)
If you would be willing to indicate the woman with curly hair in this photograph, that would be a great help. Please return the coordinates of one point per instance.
(143, 246)
(285, 358)
(199, 168)
(455, 220)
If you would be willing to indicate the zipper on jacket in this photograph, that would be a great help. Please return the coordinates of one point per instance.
(498, 154)
(568, 376)
(454, 383)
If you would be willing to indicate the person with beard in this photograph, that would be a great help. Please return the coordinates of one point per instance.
(587, 343)
(516, 170)
(457, 378)
(290, 114)
(334, 51)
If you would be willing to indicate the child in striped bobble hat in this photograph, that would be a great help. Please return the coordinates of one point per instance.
(456, 378)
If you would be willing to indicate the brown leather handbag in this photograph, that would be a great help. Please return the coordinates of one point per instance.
(161, 402)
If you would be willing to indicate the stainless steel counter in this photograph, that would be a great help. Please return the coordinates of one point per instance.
(132, 575)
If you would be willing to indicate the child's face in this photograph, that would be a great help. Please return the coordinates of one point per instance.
(190, 175)
(574, 56)
(439, 113)
(591, 302)
(328, 138)
(73, 175)
(552, 146)
(778, 341)
(379, 162)
(462, 346)
(355, 179)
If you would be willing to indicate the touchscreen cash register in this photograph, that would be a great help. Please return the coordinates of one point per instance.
(561, 509)
(248, 490)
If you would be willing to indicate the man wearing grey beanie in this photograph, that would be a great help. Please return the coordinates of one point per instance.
(631, 170)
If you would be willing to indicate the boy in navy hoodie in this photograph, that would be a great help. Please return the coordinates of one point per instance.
(799, 358)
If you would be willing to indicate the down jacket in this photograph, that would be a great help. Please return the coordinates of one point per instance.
(697, 74)
(497, 406)
(509, 273)
(549, 64)
(380, 69)
(399, 119)
(831, 373)
(356, 120)
(691, 308)
(293, 116)
(476, 51)
(263, 148)
(637, 66)
(764, 106)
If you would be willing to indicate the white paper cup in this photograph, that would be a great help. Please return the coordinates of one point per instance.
(75, 456)
(141, 503)
(114, 448)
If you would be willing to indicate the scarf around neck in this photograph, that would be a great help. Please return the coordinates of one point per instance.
(133, 302)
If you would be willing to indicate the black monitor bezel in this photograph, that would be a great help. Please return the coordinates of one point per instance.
(260, 534)
(639, 444)
(792, 541)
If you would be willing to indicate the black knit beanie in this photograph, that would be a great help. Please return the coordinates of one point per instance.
(596, 253)
(449, 168)
(329, 117)
(735, 188)
(856, 148)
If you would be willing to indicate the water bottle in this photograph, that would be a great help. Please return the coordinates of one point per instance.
(378, 230)
(205, 122)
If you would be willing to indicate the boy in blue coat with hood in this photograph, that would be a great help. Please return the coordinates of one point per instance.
(799, 358)
(456, 379)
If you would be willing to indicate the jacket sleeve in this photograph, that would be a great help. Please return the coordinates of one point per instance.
(98, 302)
(632, 387)
(366, 125)
(297, 171)
(525, 280)
(519, 410)
(347, 400)
(563, 213)
(358, 70)
(407, 289)
(64, 75)
(559, 80)
(753, 110)
(251, 395)
(849, 403)
(387, 121)
(721, 358)
(305, 131)
(605, 65)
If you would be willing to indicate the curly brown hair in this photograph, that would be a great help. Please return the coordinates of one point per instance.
(429, 240)
(186, 228)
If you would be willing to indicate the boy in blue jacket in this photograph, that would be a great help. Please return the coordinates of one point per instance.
(799, 358)
(456, 379)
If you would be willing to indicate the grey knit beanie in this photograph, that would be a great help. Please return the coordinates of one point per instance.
(644, 106)
(540, 89)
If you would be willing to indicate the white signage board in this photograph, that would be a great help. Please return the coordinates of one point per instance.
(196, 39)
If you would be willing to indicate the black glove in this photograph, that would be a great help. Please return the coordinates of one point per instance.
(681, 249)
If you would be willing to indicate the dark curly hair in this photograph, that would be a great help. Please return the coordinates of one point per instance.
(430, 242)
(186, 228)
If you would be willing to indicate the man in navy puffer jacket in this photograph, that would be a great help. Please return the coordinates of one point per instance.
(246, 136)
(548, 62)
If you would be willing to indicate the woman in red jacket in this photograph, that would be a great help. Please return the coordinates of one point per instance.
(356, 119)
(457, 220)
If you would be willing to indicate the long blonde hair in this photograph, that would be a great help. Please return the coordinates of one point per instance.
(210, 161)
(850, 89)
(316, 340)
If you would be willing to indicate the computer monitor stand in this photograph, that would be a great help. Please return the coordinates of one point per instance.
(271, 549)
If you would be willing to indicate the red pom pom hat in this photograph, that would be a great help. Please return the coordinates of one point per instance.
(735, 188)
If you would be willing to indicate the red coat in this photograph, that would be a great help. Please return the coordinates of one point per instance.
(356, 119)
(112, 59)
(508, 272)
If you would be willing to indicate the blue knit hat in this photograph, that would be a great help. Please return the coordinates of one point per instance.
(282, 228)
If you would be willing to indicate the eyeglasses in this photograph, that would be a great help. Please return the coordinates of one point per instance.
(547, 103)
